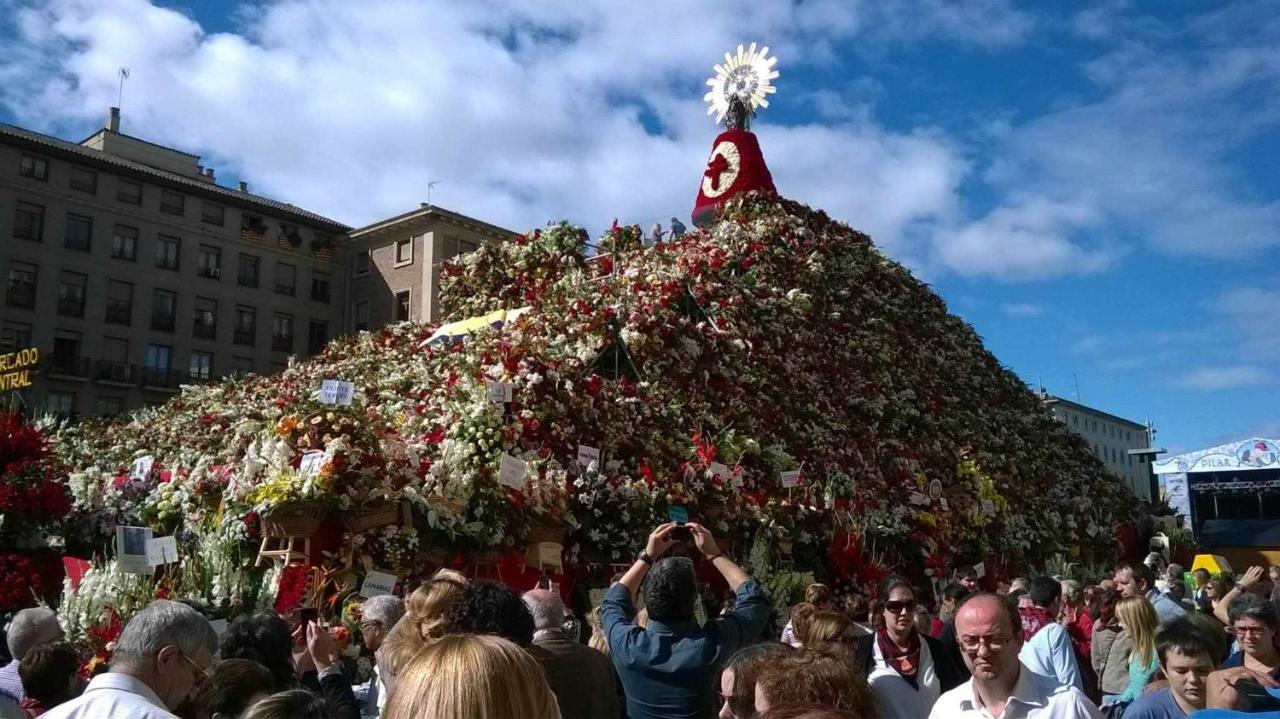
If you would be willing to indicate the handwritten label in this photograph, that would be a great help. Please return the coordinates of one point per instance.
(162, 551)
(142, 468)
(980, 569)
(511, 473)
(499, 392)
(587, 455)
(918, 498)
(312, 463)
(336, 391)
(720, 471)
(988, 507)
(378, 584)
(549, 554)
(943, 502)
(789, 479)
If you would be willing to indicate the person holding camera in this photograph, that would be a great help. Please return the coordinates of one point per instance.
(667, 666)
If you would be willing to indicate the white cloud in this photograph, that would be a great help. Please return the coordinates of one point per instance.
(1225, 377)
(1022, 309)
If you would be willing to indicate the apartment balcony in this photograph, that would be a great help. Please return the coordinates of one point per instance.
(243, 337)
(20, 297)
(119, 313)
(162, 379)
(161, 322)
(204, 330)
(213, 273)
(71, 306)
(67, 366)
(118, 373)
(282, 344)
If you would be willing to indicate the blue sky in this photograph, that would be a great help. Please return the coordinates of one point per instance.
(1092, 186)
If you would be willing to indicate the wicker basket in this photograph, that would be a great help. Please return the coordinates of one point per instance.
(370, 516)
(295, 519)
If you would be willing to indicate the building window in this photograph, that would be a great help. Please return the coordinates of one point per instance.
(14, 336)
(124, 243)
(402, 306)
(213, 214)
(119, 302)
(110, 406)
(172, 203)
(84, 180)
(28, 222)
(241, 365)
(317, 336)
(282, 333)
(247, 275)
(286, 279)
(79, 234)
(206, 320)
(201, 365)
(20, 290)
(361, 316)
(360, 263)
(209, 263)
(34, 167)
(71, 286)
(66, 353)
(128, 191)
(156, 364)
(60, 404)
(164, 310)
(252, 228)
(167, 250)
(320, 286)
(290, 237)
(404, 252)
(246, 326)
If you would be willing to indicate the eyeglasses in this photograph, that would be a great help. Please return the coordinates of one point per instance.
(1250, 631)
(994, 643)
(898, 607)
(201, 672)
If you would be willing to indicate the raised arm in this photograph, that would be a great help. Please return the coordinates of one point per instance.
(706, 543)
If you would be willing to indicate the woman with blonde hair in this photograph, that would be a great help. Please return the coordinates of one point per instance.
(425, 611)
(1138, 619)
(461, 676)
(829, 629)
(816, 596)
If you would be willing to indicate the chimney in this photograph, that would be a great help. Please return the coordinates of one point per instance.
(244, 186)
(113, 120)
(208, 172)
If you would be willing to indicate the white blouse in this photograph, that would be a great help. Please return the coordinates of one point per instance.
(898, 700)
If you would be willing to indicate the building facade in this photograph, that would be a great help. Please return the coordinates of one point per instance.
(393, 266)
(1117, 442)
(133, 272)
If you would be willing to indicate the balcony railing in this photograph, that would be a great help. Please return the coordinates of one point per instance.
(162, 378)
(282, 344)
(210, 272)
(243, 337)
(282, 289)
(119, 313)
(108, 371)
(204, 330)
(69, 366)
(246, 279)
(71, 306)
(162, 322)
(20, 297)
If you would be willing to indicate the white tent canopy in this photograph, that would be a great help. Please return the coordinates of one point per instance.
(1250, 454)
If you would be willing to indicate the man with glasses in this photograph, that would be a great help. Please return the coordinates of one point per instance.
(989, 632)
(377, 616)
(162, 657)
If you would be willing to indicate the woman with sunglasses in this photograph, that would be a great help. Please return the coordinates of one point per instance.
(907, 670)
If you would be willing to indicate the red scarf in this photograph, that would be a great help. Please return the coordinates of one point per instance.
(1033, 620)
(906, 662)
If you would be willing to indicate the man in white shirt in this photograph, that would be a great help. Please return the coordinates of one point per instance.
(989, 632)
(1047, 647)
(163, 656)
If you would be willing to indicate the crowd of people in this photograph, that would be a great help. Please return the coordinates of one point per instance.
(1139, 644)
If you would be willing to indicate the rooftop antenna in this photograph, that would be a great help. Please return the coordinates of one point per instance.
(430, 184)
(124, 75)
(1075, 380)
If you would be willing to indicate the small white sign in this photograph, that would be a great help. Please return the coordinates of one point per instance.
(162, 550)
(378, 583)
(142, 468)
(918, 498)
(219, 626)
(988, 507)
(312, 463)
(789, 479)
(587, 455)
(943, 502)
(980, 569)
(336, 391)
(720, 471)
(512, 471)
(549, 554)
(935, 489)
(131, 550)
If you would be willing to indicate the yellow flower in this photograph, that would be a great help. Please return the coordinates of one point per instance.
(287, 425)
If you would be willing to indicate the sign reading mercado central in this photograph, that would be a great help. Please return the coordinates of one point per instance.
(16, 367)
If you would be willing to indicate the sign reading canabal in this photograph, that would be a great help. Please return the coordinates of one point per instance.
(16, 368)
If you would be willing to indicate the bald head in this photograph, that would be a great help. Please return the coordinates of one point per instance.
(546, 607)
(991, 610)
(989, 631)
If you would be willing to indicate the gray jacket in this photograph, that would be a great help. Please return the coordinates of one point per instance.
(1110, 656)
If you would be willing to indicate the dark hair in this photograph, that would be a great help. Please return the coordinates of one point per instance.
(804, 711)
(263, 638)
(831, 679)
(234, 682)
(1252, 606)
(1045, 591)
(1201, 572)
(1222, 584)
(492, 608)
(745, 665)
(891, 582)
(46, 672)
(1015, 595)
(292, 704)
(966, 571)
(1140, 572)
(1010, 607)
(1186, 636)
(669, 590)
(954, 591)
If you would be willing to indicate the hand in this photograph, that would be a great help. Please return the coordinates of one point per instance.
(703, 539)
(1251, 577)
(321, 647)
(660, 541)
